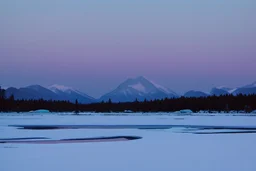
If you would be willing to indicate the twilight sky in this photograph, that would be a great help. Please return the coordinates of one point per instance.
(95, 45)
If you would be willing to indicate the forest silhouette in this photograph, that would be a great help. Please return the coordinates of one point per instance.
(246, 103)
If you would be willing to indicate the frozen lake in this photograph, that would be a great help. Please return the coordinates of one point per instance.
(168, 142)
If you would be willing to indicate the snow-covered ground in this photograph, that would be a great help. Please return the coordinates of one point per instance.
(177, 149)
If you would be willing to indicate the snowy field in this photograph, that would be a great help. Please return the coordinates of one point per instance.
(182, 148)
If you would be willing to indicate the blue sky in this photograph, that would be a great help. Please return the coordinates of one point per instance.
(94, 45)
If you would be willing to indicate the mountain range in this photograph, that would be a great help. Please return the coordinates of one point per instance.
(132, 89)
(248, 89)
(54, 92)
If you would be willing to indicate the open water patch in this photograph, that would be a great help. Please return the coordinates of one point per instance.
(26, 138)
(75, 140)
(227, 132)
(198, 127)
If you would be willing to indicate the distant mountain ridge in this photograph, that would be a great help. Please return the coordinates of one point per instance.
(193, 93)
(247, 89)
(70, 93)
(36, 92)
(31, 92)
(138, 88)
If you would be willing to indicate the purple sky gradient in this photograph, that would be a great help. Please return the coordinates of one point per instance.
(95, 46)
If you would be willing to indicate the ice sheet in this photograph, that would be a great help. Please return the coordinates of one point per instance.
(163, 150)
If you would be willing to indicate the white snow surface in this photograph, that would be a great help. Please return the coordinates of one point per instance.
(229, 90)
(55, 88)
(163, 89)
(250, 85)
(232, 90)
(163, 150)
(223, 87)
(139, 87)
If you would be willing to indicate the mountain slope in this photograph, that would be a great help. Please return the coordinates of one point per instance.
(31, 92)
(218, 91)
(248, 89)
(193, 93)
(138, 88)
(68, 93)
(55, 92)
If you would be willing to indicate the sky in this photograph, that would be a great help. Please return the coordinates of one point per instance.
(95, 45)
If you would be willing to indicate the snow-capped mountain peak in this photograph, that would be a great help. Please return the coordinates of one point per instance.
(250, 85)
(144, 85)
(65, 91)
(247, 89)
(222, 87)
(55, 88)
(138, 88)
(140, 84)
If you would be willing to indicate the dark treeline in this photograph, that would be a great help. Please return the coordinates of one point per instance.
(211, 103)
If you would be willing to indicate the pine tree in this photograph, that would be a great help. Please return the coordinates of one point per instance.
(76, 110)
(109, 101)
(2, 93)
